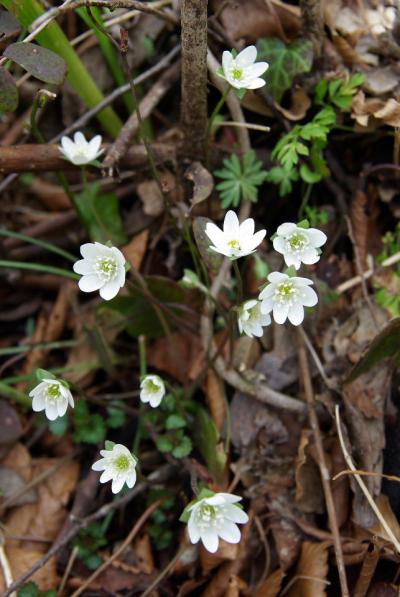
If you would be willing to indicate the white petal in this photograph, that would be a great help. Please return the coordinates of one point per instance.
(227, 60)
(267, 305)
(230, 498)
(247, 228)
(299, 281)
(265, 319)
(94, 144)
(246, 56)
(68, 145)
(280, 312)
(155, 400)
(256, 240)
(291, 259)
(309, 297)
(277, 277)
(286, 229)
(62, 405)
(99, 464)
(131, 480)
(279, 244)
(193, 530)
(253, 84)
(236, 514)
(229, 532)
(83, 267)
(89, 251)
(256, 70)
(90, 283)
(209, 539)
(231, 224)
(296, 314)
(38, 403)
(51, 411)
(117, 484)
(310, 256)
(106, 476)
(317, 237)
(79, 138)
(109, 290)
(215, 234)
(119, 256)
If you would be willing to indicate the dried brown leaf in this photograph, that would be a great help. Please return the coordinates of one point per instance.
(216, 399)
(360, 225)
(272, 586)
(388, 112)
(226, 551)
(300, 102)
(21, 559)
(309, 493)
(151, 197)
(313, 564)
(135, 250)
(175, 355)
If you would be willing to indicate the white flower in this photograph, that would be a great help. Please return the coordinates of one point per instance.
(79, 151)
(251, 320)
(52, 396)
(102, 268)
(298, 245)
(243, 72)
(286, 296)
(152, 390)
(214, 517)
(235, 240)
(118, 464)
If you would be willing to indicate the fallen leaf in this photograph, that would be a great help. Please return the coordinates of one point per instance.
(313, 563)
(364, 110)
(309, 493)
(300, 102)
(272, 586)
(135, 250)
(21, 559)
(209, 561)
(151, 197)
(11, 483)
(381, 80)
(11, 428)
(203, 182)
(175, 355)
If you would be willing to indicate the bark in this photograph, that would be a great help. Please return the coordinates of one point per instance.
(194, 77)
(313, 24)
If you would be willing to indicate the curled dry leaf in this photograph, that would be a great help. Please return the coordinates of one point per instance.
(272, 586)
(203, 182)
(309, 493)
(300, 102)
(226, 552)
(135, 250)
(365, 110)
(12, 484)
(175, 355)
(311, 570)
(151, 197)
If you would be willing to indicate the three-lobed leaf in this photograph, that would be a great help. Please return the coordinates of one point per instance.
(285, 62)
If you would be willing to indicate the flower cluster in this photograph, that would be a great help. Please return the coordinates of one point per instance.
(286, 295)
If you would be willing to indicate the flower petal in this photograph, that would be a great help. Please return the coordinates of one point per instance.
(51, 411)
(193, 530)
(79, 138)
(216, 235)
(256, 239)
(117, 484)
(210, 540)
(99, 465)
(38, 403)
(83, 267)
(90, 283)
(296, 314)
(106, 476)
(227, 60)
(253, 83)
(229, 532)
(246, 57)
(110, 290)
(236, 514)
(256, 70)
(310, 256)
(131, 480)
(280, 312)
(277, 277)
(286, 229)
(317, 237)
(231, 224)
(89, 251)
(247, 228)
(309, 297)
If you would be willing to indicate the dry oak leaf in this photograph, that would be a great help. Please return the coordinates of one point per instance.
(135, 250)
(226, 552)
(313, 564)
(272, 586)
(21, 559)
(364, 108)
(309, 494)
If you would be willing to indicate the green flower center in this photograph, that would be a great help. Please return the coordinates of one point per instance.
(237, 73)
(298, 241)
(122, 463)
(106, 268)
(286, 293)
(253, 313)
(53, 391)
(152, 387)
(234, 244)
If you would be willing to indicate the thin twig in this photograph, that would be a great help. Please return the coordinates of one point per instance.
(324, 472)
(362, 485)
(129, 538)
(164, 572)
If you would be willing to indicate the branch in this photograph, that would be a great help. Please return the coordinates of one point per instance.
(194, 77)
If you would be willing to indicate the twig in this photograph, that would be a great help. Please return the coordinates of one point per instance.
(5, 567)
(360, 270)
(164, 572)
(129, 538)
(247, 125)
(366, 474)
(120, 147)
(392, 260)
(362, 485)
(194, 77)
(67, 571)
(324, 472)
(329, 382)
(46, 158)
(79, 524)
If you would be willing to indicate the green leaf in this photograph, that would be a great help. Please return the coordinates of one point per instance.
(30, 589)
(285, 62)
(175, 422)
(89, 428)
(308, 175)
(59, 426)
(183, 449)
(40, 62)
(8, 92)
(138, 312)
(9, 26)
(164, 443)
(208, 442)
(109, 444)
(385, 345)
(42, 374)
(284, 178)
(241, 179)
(116, 417)
(100, 215)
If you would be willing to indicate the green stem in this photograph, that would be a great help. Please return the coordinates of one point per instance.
(239, 283)
(304, 201)
(37, 267)
(11, 350)
(14, 395)
(143, 373)
(216, 111)
(39, 243)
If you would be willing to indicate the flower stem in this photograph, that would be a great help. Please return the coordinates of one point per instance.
(142, 355)
(239, 283)
(217, 110)
(143, 372)
(38, 267)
